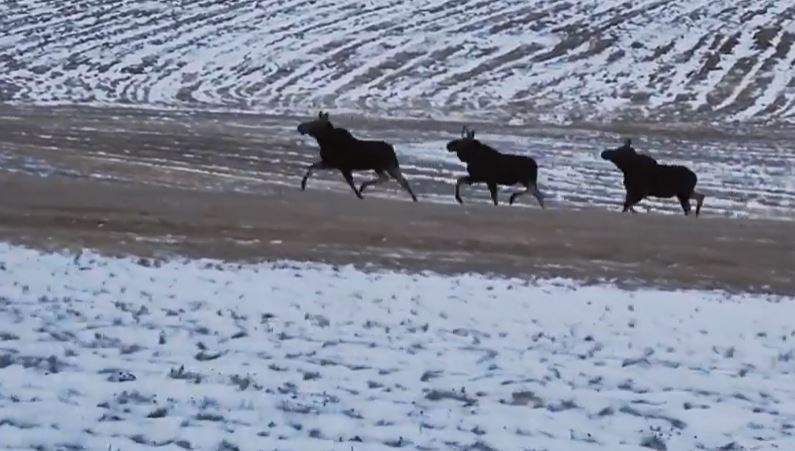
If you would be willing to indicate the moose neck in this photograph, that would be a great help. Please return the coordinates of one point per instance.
(326, 139)
(466, 155)
(621, 164)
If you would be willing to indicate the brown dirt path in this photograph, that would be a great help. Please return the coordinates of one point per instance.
(647, 249)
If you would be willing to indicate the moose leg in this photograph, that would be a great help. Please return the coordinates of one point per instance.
(684, 200)
(516, 195)
(539, 197)
(631, 199)
(381, 179)
(349, 178)
(398, 175)
(312, 167)
(493, 190)
(699, 201)
(461, 180)
(533, 189)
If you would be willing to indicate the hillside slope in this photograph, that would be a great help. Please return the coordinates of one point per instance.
(705, 60)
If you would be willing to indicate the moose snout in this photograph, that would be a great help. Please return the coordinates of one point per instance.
(451, 146)
(607, 154)
(302, 129)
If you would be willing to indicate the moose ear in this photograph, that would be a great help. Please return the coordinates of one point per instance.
(325, 115)
(471, 134)
(464, 131)
(627, 142)
(320, 113)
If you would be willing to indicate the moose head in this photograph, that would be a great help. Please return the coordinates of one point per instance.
(465, 142)
(619, 153)
(316, 127)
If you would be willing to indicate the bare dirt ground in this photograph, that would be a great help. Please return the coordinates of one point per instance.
(226, 186)
(151, 221)
(743, 175)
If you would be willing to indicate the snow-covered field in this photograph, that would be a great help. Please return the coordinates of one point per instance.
(103, 353)
(517, 59)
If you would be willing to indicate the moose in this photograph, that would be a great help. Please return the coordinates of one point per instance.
(340, 150)
(487, 165)
(644, 177)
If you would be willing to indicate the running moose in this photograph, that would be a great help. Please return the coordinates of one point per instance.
(342, 151)
(486, 165)
(644, 177)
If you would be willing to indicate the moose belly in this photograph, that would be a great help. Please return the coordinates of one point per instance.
(669, 181)
(359, 160)
(662, 191)
(505, 176)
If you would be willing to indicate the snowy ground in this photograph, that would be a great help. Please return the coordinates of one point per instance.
(128, 354)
